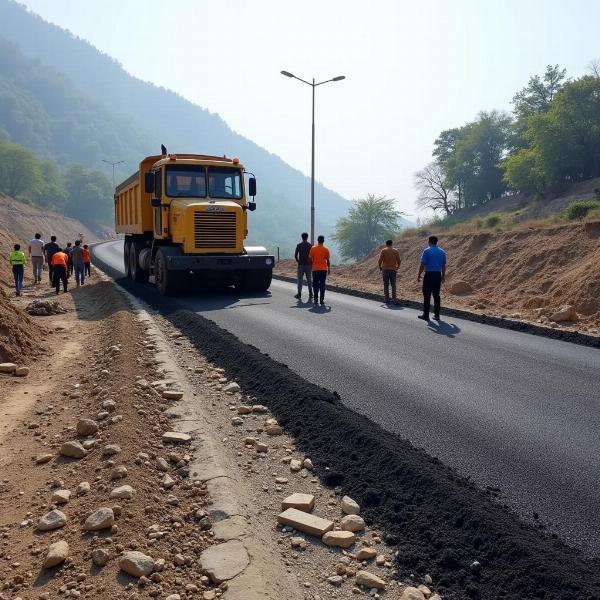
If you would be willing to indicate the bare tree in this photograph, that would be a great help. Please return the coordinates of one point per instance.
(594, 67)
(434, 193)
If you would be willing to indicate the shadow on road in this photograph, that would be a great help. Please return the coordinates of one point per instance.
(442, 328)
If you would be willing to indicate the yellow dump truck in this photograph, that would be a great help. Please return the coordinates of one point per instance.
(185, 219)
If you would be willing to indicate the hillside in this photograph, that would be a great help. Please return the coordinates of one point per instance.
(117, 116)
(526, 272)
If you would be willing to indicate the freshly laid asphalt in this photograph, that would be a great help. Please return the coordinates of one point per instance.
(509, 410)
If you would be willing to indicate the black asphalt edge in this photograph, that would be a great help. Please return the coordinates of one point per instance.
(438, 521)
(556, 334)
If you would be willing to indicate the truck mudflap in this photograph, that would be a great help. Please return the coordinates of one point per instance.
(253, 262)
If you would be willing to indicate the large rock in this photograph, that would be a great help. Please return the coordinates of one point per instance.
(111, 450)
(412, 593)
(303, 502)
(176, 437)
(87, 427)
(8, 367)
(564, 313)
(339, 539)
(305, 522)
(460, 288)
(55, 519)
(136, 563)
(73, 450)
(123, 492)
(231, 387)
(369, 580)
(366, 554)
(225, 561)
(352, 523)
(60, 496)
(57, 553)
(349, 506)
(103, 518)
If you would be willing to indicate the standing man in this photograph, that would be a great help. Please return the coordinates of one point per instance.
(303, 263)
(49, 249)
(60, 262)
(389, 263)
(36, 254)
(17, 261)
(87, 261)
(78, 263)
(433, 262)
(321, 267)
(69, 252)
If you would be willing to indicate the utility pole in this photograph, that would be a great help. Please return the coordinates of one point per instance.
(312, 157)
(109, 162)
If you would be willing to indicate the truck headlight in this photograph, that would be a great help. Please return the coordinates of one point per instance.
(268, 261)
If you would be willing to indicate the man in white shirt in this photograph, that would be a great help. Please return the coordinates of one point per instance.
(36, 253)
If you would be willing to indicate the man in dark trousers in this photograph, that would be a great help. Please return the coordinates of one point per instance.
(303, 262)
(433, 262)
(321, 267)
(389, 263)
(49, 249)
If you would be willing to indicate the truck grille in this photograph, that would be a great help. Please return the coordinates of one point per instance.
(214, 230)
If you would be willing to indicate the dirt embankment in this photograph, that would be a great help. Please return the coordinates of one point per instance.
(525, 274)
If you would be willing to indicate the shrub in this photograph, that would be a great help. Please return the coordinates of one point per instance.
(580, 209)
(492, 220)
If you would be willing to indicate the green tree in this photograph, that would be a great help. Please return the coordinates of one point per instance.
(536, 97)
(20, 173)
(53, 194)
(89, 195)
(369, 223)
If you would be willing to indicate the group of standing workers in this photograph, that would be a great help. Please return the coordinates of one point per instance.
(313, 264)
(61, 262)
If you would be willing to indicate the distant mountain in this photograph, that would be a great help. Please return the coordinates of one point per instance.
(86, 107)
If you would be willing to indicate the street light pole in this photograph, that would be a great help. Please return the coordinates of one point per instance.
(312, 160)
(108, 162)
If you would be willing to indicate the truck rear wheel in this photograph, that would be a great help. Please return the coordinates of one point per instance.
(168, 282)
(254, 281)
(126, 259)
(136, 272)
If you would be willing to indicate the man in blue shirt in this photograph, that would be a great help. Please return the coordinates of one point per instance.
(433, 262)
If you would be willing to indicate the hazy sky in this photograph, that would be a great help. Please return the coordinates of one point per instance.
(413, 69)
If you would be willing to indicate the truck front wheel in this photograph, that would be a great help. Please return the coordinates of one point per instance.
(167, 281)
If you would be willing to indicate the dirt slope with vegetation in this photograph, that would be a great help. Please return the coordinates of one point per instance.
(528, 272)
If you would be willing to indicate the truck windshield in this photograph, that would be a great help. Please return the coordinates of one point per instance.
(224, 182)
(186, 180)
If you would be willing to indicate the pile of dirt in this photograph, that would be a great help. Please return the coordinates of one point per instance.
(44, 308)
(499, 273)
(439, 522)
(19, 335)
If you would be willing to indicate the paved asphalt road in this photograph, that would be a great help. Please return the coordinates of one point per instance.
(510, 410)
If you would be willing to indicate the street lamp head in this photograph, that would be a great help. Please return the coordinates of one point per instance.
(287, 73)
(339, 78)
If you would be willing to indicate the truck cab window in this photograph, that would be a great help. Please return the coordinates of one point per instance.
(186, 181)
(224, 182)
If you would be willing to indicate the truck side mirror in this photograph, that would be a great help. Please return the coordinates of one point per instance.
(149, 182)
(252, 187)
(251, 206)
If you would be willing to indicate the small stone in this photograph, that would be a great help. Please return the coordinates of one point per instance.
(349, 506)
(424, 590)
(339, 539)
(136, 563)
(412, 593)
(55, 519)
(100, 557)
(303, 502)
(57, 553)
(172, 395)
(21, 371)
(125, 492)
(237, 421)
(167, 482)
(8, 367)
(73, 450)
(427, 579)
(366, 554)
(259, 409)
(83, 488)
(352, 523)
(380, 560)
(173, 597)
(305, 522)
(231, 388)
(111, 450)
(261, 448)
(109, 405)
(87, 427)
(307, 464)
(159, 564)
(244, 410)
(336, 580)
(42, 459)
(295, 465)
(175, 437)
(119, 472)
(103, 518)
(298, 542)
(370, 580)
(162, 464)
(60, 496)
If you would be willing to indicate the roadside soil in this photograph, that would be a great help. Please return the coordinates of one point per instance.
(522, 275)
(100, 361)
